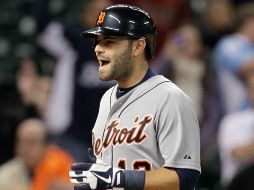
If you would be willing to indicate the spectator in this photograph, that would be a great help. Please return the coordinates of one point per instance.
(215, 21)
(29, 98)
(234, 58)
(76, 89)
(38, 164)
(17, 40)
(236, 138)
(181, 61)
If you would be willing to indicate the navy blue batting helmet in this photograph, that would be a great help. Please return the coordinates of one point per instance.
(125, 20)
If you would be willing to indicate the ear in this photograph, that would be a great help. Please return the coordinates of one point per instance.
(139, 46)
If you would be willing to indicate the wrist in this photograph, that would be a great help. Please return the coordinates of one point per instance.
(134, 180)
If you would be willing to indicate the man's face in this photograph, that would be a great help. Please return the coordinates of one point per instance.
(114, 55)
(31, 144)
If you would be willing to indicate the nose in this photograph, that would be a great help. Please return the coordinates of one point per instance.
(98, 49)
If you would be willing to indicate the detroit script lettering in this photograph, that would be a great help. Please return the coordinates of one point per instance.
(115, 134)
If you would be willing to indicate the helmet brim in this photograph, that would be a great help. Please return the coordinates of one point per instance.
(92, 33)
(97, 31)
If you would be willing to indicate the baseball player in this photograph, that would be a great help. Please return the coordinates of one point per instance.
(146, 135)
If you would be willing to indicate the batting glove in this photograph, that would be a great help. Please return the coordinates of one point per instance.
(96, 176)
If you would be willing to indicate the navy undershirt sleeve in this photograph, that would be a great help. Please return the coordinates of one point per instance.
(188, 178)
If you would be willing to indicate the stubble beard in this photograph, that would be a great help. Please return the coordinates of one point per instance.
(120, 67)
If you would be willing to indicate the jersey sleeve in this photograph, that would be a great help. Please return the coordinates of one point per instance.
(177, 132)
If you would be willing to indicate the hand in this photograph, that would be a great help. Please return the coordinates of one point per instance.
(96, 176)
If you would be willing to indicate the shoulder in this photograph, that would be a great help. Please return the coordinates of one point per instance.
(12, 168)
(170, 90)
(166, 92)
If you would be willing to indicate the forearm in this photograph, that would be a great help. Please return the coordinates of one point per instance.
(162, 178)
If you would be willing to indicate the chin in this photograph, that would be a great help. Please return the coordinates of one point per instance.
(104, 78)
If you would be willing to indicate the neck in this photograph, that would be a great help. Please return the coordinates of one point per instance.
(137, 74)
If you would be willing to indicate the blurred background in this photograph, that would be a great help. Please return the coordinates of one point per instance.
(48, 79)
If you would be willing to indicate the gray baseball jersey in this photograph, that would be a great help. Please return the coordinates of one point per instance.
(152, 126)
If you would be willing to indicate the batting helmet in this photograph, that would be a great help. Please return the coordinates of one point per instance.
(125, 20)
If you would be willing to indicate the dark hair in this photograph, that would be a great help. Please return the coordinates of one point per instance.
(47, 136)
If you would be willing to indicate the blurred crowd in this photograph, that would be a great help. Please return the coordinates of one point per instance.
(50, 90)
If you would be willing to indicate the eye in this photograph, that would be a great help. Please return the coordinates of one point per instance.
(108, 42)
(105, 42)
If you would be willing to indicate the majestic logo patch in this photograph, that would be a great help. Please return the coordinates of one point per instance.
(115, 134)
(101, 18)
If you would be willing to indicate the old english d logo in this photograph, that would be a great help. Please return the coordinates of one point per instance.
(101, 18)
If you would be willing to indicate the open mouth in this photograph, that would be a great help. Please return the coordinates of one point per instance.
(104, 62)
